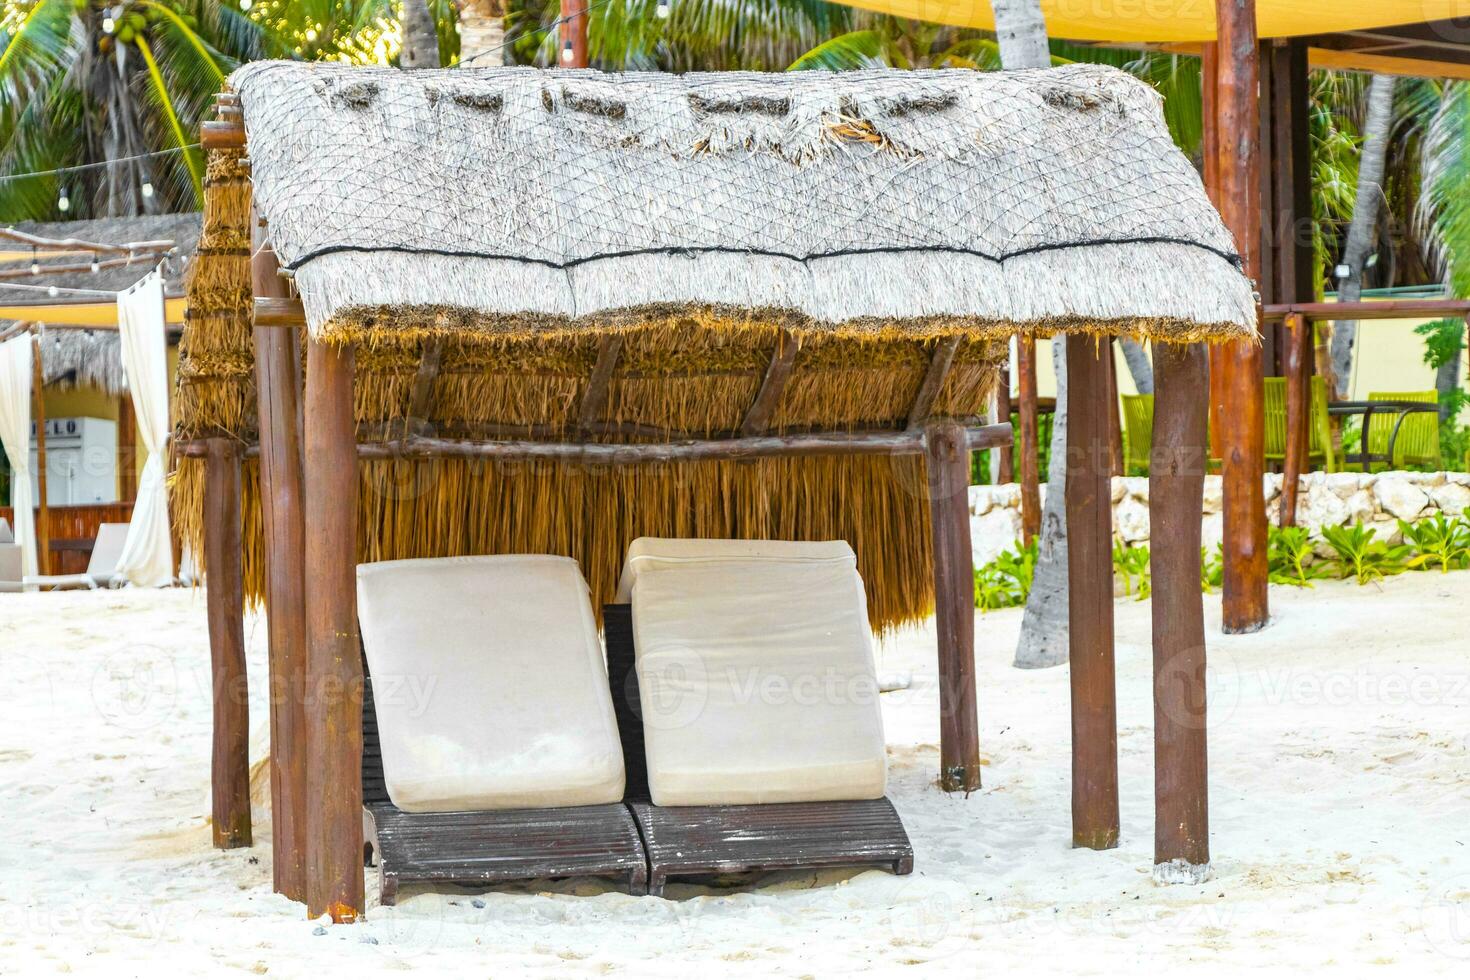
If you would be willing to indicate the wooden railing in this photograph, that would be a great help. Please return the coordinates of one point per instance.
(72, 529)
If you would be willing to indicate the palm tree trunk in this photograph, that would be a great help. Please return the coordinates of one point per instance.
(1021, 31)
(1139, 365)
(482, 33)
(1361, 232)
(420, 38)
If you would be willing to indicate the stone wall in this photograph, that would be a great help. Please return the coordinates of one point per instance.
(1376, 499)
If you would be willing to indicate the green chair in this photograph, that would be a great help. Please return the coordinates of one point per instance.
(1138, 432)
(1418, 441)
(1319, 445)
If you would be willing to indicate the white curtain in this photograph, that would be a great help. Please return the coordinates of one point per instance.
(15, 435)
(147, 555)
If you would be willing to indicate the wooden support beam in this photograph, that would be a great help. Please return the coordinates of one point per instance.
(1176, 510)
(939, 364)
(1005, 469)
(224, 593)
(423, 386)
(142, 260)
(906, 443)
(222, 134)
(1115, 418)
(1030, 436)
(778, 372)
(1394, 309)
(1242, 416)
(334, 881)
(285, 586)
(947, 461)
(127, 449)
(594, 399)
(279, 311)
(572, 46)
(1090, 598)
(1297, 366)
(43, 508)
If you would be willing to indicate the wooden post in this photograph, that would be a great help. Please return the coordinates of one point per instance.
(285, 587)
(224, 594)
(1005, 470)
(334, 883)
(947, 459)
(1115, 419)
(1210, 171)
(127, 449)
(1297, 365)
(1176, 510)
(1242, 417)
(1090, 597)
(573, 40)
(1030, 466)
(43, 508)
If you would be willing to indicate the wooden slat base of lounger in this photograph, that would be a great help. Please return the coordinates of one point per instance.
(494, 846)
(705, 840)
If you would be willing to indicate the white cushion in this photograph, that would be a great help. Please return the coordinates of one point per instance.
(489, 682)
(646, 550)
(755, 672)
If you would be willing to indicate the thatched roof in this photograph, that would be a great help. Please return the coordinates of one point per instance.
(486, 238)
(500, 198)
(181, 229)
(76, 356)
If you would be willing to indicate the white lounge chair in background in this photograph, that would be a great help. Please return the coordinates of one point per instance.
(101, 570)
(10, 565)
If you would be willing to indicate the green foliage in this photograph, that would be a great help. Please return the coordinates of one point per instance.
(1006, 581)
(1289, 556)
(1443, 340)
(1360, 556)
(1438, 540)
(1211, 568)
(1132, 562)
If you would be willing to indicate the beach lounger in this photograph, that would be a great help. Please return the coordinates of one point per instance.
(743, 677)
(11, 566)
(490, 748)
(101, 570)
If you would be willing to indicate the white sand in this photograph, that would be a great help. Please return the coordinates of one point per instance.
(1340, 752)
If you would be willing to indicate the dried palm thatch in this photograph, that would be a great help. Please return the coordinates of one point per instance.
(75, 358)
(509, 220)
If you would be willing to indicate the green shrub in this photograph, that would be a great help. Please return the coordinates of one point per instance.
(1361, 557)
(1289, 556)
(1006, 581)
(1438, 540)
(1132, 562)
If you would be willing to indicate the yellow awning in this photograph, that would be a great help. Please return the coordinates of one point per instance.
(96, 314)
(1163, 21)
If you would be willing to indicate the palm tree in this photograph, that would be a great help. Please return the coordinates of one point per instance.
(1362, 231)
(482, 33)
(84, 82)
(125, 83)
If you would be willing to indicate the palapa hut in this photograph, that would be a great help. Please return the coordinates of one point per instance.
(60, 279)
(551, 311)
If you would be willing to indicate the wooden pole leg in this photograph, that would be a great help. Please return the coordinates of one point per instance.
(1242, 415)
(947, 458)
(333, 715)
(1030, 465)
(1090, 596)
(1297, 366)
(1176, 509)
(285, 587)
(225, 605)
